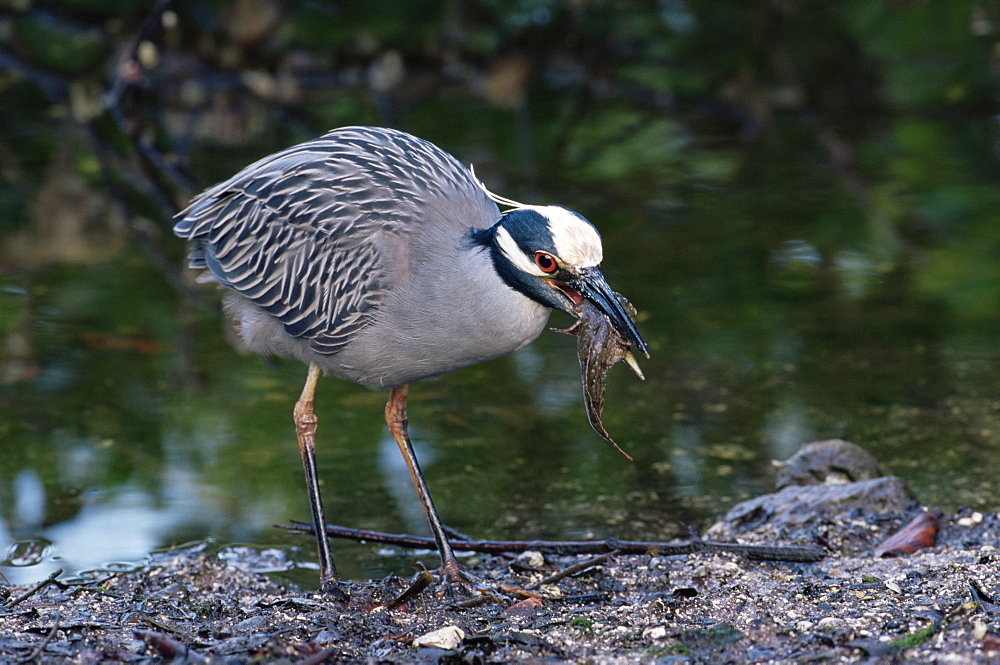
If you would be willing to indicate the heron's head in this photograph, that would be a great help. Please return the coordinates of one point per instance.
(553, 255)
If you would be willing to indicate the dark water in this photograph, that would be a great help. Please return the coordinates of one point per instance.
(803, 205)
(136, 426)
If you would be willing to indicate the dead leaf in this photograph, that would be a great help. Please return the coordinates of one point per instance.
(919, 533)
(523, 608)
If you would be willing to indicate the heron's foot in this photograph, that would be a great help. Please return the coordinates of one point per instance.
(457, 588)
(464, 590)
(460, 589)
(332, 588)
(458, 584)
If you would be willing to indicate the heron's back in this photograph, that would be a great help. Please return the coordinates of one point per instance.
(353, 251)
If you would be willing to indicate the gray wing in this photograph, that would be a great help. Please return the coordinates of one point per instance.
(310, 234)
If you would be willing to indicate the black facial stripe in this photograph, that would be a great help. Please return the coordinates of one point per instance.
(530, 231)
(482, 237)
(527, 285)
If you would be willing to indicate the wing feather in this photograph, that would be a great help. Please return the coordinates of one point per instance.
(306, 233)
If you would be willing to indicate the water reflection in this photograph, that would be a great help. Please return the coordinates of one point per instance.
(125, 438)
(786, 426)
(396, 478)
(505, 446)
(29, 498)
(31, 552)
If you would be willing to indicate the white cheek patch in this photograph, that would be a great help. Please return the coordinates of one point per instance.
(577, 242)
(514, 253)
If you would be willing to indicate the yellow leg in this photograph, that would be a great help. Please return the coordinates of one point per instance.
(305, 431)
(395, 417)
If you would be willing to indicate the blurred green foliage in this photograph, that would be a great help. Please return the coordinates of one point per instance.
(891, 99)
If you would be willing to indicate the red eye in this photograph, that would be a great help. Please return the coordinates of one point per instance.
(546, 262)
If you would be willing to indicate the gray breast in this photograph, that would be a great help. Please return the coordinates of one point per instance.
(451, 311)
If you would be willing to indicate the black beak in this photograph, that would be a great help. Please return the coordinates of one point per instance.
(590, 284)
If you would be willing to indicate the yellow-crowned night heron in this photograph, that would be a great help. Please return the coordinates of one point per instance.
(374, 256)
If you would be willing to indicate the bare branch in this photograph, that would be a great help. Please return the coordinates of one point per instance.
(791, 553)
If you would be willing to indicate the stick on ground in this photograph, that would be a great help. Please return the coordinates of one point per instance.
(791, 553)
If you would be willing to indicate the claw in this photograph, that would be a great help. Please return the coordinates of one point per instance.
(629, 359)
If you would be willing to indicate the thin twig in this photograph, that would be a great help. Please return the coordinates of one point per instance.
(160, 173)
(512, 590)
(112, 182)
(424, 580)
(791, 553)
(53, 86)
(572, 570)
(986, 601)
(150, 30)
(455, 534)
(475, 601)
(38, 587)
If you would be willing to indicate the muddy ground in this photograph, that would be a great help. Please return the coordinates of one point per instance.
(193, 606)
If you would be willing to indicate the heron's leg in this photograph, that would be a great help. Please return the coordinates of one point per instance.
(395, 417)
(305, 430)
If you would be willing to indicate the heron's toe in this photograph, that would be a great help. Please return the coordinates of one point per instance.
(458, 584)
(332, 590)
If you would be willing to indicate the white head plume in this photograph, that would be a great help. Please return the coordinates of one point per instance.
(577, 242)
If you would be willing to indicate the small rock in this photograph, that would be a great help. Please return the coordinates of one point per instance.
(531, 559)
(831, 623)
(827, 463)
(257, 624)
(800, 507)
(551, 590)
(874, 648)
(446, 638)
(971, 520)
(979, 629)
(655, 632)
(328, 635)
